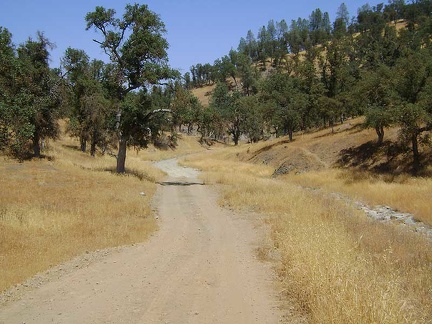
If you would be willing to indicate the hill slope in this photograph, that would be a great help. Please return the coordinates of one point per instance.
(346, 145)
(347, 160)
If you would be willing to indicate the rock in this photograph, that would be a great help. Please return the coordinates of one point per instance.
(283, 169)
(410, 221)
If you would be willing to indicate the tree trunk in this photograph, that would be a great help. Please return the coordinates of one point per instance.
(416, 153)
(290, 134)
(380, 132)
(36, 145)
(235, 81)
(121, 156)
(83, 144)
(236, 137)
(93, 144)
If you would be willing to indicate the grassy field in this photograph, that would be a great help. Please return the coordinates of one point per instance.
(56, 208)
(404, 193)
(50, 213)
(336, 264)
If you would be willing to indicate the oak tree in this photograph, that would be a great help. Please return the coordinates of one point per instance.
(137, 50)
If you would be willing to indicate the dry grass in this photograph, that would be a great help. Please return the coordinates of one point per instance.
(186, 145)
(311, 158)
(338, 265)
(203, 94)
(52, 210)
(404, 193)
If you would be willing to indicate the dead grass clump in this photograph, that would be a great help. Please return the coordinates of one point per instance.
(338, 265)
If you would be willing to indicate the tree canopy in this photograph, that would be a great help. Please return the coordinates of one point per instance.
(285, 77)
(137, 50)
(312, 73)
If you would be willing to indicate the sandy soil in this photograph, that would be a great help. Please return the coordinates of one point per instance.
(200, 267)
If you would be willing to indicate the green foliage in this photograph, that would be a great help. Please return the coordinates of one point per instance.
(8, 71)
(251, 110)
(239, 115)
(320, 27)
(285, 102)
(185, 108)
(138, 53)
(89, 106)
(414, 89)
(376, 93)
(226, 67)
(136, 119)
(135, 45)
(29, 99)
(210, 124)
(225, 104)
(41, 100)
(377, 43)
(204, 74)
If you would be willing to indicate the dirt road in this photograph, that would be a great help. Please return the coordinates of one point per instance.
(200, 267)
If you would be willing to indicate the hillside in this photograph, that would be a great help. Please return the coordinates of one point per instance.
(348, 146)
(204, 93)
(344, 159)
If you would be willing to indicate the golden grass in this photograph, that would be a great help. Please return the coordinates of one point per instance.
(186, 145)
(403, 193)
(338, 265)
(51, 211)
(203, 94)
(314, 154)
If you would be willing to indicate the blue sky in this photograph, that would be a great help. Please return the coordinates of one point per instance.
(197, 31)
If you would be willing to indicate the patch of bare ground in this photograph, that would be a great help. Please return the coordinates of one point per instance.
(309, 151)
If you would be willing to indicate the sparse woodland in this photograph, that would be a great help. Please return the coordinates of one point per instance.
(313, 73)
(301, 76)
(305, 96)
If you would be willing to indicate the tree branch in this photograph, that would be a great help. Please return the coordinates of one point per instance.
(151, 113)
(100, 43)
